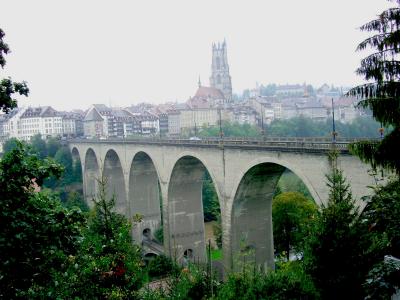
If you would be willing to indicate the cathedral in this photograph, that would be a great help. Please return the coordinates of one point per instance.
(220, 77)
(220, 89)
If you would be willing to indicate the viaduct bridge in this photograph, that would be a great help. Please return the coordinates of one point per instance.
(245, 174)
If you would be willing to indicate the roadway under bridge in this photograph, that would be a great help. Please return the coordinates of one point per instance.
(244, 172)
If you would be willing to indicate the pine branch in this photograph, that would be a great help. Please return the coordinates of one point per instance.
(382, 41)
(373, 67)
(385, 22)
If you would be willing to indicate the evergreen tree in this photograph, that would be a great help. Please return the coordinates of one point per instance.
(382, 94)
(334, 250)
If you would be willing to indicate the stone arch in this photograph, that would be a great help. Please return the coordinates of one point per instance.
(75, 154)
(313, 191)
(186, 220)
(114, 176)
(144, 194)
(90, 176)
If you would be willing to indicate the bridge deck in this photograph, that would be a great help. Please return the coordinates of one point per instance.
(313, 145)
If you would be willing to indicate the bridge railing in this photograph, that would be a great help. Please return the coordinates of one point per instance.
(281, 143)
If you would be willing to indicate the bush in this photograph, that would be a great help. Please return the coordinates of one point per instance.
(286, 283)
(161, 266)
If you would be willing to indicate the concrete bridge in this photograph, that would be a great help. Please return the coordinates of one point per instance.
(244, 172)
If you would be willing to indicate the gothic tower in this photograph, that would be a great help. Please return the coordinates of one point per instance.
(220, 77)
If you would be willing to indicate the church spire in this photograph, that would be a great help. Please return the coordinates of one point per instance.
(199, 82)
(220, 77)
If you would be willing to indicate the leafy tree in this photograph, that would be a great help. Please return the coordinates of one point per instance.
(290, 182)
(292, 214)
(75, 199)
(10, 144)
(230, 130)
(52, 146)
(334, 250)
(7, 87)
(210, 199)
(63, 156)
(39, 145)
(382, 93)
(37, 234)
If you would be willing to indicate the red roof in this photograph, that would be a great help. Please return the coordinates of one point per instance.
(208, 92)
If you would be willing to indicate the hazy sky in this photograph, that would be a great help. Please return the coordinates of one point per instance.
(74, 53)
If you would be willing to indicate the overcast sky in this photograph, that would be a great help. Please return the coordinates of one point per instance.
(74, 53)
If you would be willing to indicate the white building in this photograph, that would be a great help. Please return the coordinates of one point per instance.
(40, 120)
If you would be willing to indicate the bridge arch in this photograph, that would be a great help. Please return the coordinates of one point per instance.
(286, 165)
(114, 176)
(75, 154)
(90, 175)
(251, 211)
(186, 218)
(144, 195)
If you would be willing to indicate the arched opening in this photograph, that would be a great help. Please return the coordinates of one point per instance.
(187, 238)
(115, 181)
(145, 199)
(252, 234)
(77, 173)
(146, 234)
(252, 223)
(91, 174)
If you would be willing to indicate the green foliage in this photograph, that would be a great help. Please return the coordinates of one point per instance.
(39, 145)
(75, 199)
(230, 130)
(159, 234)
(52, 146)
(382, 216)
(286, 283)
(217, 230)
(383, 281)
(10, 144)
(107, 265)
(381, 94)
(290, 182)
(161, 266)
(37, 233)
(211, 208)
(334, 250)
(292, 214)
(305, 127)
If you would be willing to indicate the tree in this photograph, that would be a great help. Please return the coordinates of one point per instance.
(210, 199)
(333, 254)
(52, 146)
(37, 234)
(10, 144)
(382, 95)
(7, 87)
(292, 214)
(108, 265)
(39, 145)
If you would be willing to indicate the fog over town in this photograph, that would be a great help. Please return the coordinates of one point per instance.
(75, 53)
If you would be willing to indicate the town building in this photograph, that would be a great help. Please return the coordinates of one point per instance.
(40, 120)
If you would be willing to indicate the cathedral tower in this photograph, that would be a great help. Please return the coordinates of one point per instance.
(220, 77)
